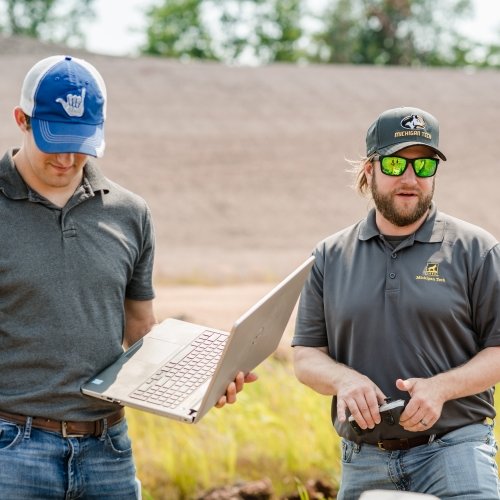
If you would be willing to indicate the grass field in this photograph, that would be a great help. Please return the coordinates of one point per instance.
(279, 429)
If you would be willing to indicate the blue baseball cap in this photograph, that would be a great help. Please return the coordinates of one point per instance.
(66, 100)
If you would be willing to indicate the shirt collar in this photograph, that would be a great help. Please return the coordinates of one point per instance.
(95, 178)
(431, 231)
(14, 187)
(11, 182)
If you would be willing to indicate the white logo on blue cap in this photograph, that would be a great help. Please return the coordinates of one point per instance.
(74, 105)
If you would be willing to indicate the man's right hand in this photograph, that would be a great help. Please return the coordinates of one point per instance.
(355, 392)
(358, 394)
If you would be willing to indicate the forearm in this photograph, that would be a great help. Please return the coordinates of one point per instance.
(316, 369)
(355, 392)
(475, 376)
(139, 319)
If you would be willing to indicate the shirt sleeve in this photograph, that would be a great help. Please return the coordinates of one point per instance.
(140, 286)
(310, 329)
(485, 299)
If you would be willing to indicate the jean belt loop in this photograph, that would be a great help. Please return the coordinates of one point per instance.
(357, 447)
(104, 429)
(27, 428)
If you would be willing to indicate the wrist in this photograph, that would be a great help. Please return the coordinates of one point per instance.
(444, 387)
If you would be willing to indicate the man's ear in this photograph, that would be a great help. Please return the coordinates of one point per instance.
(368, 169)
(20, 118)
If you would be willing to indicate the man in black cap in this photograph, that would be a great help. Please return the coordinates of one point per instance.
(399, 323)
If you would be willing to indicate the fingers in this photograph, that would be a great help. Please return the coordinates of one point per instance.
(360, 397)
(221, 402)
(365, 412)
(251, 377)
(229, 397)
(418, 420)
(423, 409)
(404, 385)
(418, 425)
(234, 387)
(364, 408)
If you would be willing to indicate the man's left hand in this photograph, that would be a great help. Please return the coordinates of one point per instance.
(425, 405)
(234, 387)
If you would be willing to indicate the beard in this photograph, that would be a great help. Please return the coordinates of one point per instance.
(400, 217)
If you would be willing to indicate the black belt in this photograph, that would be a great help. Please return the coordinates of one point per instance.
(67, 428)
(406, 443)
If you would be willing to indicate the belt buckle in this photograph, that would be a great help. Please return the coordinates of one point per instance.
(380, 445)
(64, 431)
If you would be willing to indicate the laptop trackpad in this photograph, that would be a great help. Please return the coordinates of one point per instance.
(154, 350)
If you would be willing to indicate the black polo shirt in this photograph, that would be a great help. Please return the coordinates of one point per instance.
(422, 308)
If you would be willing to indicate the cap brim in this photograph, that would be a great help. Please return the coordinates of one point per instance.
(389, 150)
(56, 137)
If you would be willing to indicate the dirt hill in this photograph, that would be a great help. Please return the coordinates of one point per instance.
(244, 168)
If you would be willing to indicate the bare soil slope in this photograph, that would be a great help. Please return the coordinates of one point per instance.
(244, 168)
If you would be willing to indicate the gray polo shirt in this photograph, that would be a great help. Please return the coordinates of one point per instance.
(64, 276)
(422, 308)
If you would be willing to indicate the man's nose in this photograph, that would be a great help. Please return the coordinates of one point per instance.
(66, 159)
(409, 174)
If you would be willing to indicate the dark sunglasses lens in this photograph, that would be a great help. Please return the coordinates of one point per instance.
(425, 167)
(392, 165)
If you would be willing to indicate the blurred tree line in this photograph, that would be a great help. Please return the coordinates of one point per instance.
(383, 32)
(396, 32)
(61, 21)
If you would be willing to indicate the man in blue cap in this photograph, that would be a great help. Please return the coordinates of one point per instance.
(399, 323)
(75, 287)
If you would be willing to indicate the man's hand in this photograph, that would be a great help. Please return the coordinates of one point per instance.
(428, 395)
(234, 387)
(425, 405)
(362, 397)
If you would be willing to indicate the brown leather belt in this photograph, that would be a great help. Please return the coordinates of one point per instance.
(406, 443)
(67, 428)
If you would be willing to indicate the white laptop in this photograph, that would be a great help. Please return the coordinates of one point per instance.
(180, 370)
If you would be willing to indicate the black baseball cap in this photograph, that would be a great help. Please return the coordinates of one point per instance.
(400, 128)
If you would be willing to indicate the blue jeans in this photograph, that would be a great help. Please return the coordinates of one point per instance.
(459, 465)
(37, 464)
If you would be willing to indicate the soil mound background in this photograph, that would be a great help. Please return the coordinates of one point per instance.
(244, 168)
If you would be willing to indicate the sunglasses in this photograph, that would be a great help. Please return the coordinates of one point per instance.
(396, 166)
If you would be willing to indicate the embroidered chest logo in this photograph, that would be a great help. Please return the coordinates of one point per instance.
(431, 269)
(431, 273)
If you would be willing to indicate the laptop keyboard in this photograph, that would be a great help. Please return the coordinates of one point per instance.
(178, 378)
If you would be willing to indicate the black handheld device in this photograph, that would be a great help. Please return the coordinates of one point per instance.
(389, 413)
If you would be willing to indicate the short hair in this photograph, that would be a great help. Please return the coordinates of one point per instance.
(28, 121)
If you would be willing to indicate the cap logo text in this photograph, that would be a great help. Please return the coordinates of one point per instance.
(74, 105)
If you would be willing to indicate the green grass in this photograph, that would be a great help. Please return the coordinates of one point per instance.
(278, 429)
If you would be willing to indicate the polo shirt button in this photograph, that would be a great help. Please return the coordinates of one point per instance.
(392, 275)
(394, 255)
